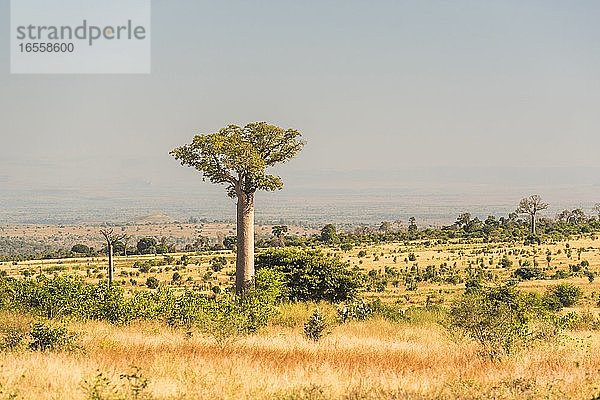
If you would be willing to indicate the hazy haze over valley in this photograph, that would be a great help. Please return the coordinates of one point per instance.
(422, 109)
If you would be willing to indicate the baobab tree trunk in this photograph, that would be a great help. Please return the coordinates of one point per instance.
(244, 272)
(532, 224)
(110, 264)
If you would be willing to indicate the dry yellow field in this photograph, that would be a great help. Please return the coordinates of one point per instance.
(360, 360)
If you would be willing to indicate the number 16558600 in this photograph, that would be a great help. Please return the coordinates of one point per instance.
(46, 47)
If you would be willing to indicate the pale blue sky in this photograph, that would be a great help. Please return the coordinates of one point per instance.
(375, 86)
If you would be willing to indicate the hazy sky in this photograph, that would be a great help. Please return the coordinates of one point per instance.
(374, 86)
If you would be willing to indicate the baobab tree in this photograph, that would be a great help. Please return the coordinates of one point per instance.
(530, 206)
(111, 239)
(597, 209)
(238, 157)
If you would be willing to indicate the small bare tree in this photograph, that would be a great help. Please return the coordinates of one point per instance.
(530, 206)
(111, 238)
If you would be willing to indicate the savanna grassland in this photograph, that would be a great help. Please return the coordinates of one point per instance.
(406, 351)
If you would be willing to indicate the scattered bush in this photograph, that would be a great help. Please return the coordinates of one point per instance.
(47, 337)
(528, 273)
(496, 318)
(314, 328)
(565, 294)
(152, 282)
(218, 263)
(12, 338)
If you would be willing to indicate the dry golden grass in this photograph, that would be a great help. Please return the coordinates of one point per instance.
(360, 360)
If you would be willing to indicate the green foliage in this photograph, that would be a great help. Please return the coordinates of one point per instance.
(100, 388)
(228, 317)
(49, 337)
(12, 338)
(528, 273)
(146, 245)
(218, 263)
(187, 309)
(82, 249)
(134, 386)
(152, 282)
(505, 262)
(314, 328)
(473, 285)
(346, 246)
(566, 294)
(311, 276)
(239, 156)
(499, 319)
(329, 234)
(136, 383)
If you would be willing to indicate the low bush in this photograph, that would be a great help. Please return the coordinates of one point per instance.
(565, 294)
(48, 337)
(12, 338)
(314, 328)
(310, 275)
(501, 319)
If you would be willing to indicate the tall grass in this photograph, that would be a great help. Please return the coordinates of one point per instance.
(358, 360)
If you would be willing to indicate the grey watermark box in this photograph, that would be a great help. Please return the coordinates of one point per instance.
(80, 36)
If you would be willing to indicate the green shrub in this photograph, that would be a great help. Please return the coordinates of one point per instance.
(187, 309)
(528, 273)
(496, 318)
(176, 278)
(152, 282)
(505, 262)
(310, 275)
(218, 263)
(46, 337)
(228, 317)
(566, 294)
(224, 320)
(314, 328)
(12, 338)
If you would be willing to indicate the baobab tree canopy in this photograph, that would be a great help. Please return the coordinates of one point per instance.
(239, 156)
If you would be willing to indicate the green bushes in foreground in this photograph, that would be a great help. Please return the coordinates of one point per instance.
(40, 336)
(221, 317)
(503, 319)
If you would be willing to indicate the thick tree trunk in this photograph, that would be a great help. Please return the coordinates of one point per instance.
(110, 264)
(244, 273)
(532, 224)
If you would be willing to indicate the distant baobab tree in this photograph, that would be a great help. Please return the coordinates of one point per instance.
(111, 239)
(597, 209)
(530, 206)
(239, 157)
